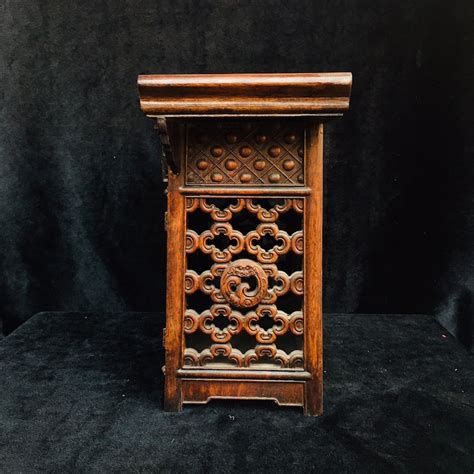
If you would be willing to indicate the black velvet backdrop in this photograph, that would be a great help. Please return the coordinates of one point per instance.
(81, 201)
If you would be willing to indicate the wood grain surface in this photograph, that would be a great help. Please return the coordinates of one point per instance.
(240, 94)
(244, 222)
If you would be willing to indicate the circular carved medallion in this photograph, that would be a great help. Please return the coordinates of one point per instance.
(244, 283)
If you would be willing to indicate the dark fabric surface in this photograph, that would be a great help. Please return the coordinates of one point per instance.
(83, 393)
(81, 201)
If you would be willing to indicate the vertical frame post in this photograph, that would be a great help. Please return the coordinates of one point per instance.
(313, 233)
(173, 342)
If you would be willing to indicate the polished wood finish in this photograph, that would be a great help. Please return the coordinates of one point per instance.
(203, 390)
(244, 222)
(226, 284)
(173, 342)
(247, 374)
(245, 154)
(244, 94)
(313, 288)
(251, 191)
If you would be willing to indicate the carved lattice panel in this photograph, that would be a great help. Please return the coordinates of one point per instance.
(244, 283)
(246, 153)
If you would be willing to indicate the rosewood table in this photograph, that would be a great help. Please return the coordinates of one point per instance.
(244, 172)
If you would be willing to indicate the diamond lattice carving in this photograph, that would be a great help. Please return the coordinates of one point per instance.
(245, 154)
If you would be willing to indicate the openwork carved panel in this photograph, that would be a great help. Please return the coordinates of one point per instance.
(244, 162)
(244, 283)
(245, 153)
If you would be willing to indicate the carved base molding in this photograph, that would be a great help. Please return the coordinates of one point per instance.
(201, 391)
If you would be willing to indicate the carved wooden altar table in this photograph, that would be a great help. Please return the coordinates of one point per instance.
(244, 171)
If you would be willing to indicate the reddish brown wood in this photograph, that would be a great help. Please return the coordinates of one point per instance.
(244, 294)
(245, 153)
(241, 94)
(173, 340)
(238, 191)
(244, 374)
(288, 393)
(232, 298)
(313, 271)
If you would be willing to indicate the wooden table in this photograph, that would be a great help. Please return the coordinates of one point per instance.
(244, 156)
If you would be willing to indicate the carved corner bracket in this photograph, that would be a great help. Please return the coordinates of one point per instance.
(170, 133)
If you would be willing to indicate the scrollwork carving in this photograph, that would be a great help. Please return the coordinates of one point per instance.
(293, 360)
(297, 244)
(266, 336)
(244, 292)
(271, 255)
(282, 281)
(221, 228)
(192, 241)
(297, 283)
(263, 215)
(204, 321)
(192, 282)
(235, 287)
